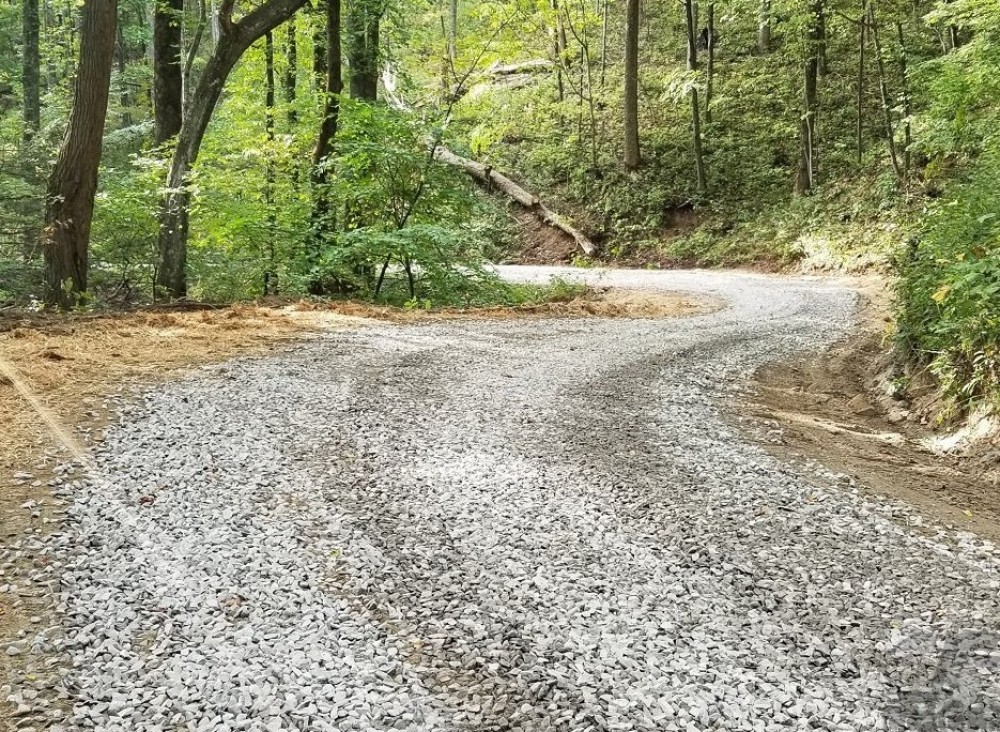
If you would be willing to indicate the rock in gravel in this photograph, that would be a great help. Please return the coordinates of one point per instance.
(511, 525)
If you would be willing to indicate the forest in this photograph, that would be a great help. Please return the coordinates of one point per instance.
(388, 150)
(499, 365)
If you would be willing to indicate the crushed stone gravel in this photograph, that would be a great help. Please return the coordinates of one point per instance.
(503, 525)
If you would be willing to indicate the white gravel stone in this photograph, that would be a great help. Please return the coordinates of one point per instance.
(521, 525)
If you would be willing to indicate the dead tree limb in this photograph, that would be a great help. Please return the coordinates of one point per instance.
(489, 177)
(497, 181)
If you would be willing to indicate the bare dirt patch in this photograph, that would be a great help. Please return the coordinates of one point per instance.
(607, 302)
(541, 243)
(832, 409)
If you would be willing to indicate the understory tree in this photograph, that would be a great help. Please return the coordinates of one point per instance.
(234, 38)
(73, 182)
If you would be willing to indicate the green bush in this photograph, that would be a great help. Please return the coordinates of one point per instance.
(949, 288)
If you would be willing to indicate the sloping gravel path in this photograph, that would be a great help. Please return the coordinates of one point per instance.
(518, 525)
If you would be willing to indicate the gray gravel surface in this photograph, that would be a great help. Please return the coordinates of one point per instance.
(510, 525)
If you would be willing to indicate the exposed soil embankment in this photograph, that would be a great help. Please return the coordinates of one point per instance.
(834, 408)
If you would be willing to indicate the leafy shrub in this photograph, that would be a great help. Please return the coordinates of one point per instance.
(410, 227)
(949, 288)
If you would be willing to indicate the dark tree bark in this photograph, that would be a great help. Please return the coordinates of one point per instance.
(322, 214)
(805, 179)
(860, 122)
(710, 66)
(270, 97)
(632, 154)
(70, 198)
(890, 132)
(291, 80)
(363, 32)
(31, 69)
(194, 47)
(319, 60)
(124, 98)
(692, 65)
(168, 74)
(235, 37)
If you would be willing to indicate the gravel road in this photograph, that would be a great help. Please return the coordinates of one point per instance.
(507, 525)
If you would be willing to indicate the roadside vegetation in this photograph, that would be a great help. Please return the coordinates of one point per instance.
(388, 150)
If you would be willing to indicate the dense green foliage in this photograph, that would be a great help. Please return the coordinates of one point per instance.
(949, 310)
(903, 157)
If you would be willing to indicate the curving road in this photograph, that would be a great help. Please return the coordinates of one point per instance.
(510, 525)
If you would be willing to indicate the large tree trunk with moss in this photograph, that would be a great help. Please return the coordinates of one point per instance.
(73, 184)
(632, 153)
(234, 39)
(168, 72)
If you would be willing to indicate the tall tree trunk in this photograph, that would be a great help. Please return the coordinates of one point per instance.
(805, 180)
(193, 49)
(764, 27)
(820, 40)
(692, 65)
(73, 184)
(168, 74)
(904, 77)
(31, 69)
(452, 33)
(860, 123)
(124, 98)
(234, 39)
(322, 214)
(216, 24)
(363, 23)
(890, 132)
(319, 60)
(710, 68)
(559, 44)
(291, 72)
(270, 274)
(632, 152)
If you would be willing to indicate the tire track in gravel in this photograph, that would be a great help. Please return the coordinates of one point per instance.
(535, 526)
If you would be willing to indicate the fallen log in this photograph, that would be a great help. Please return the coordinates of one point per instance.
(521, 67)
(494, 180)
